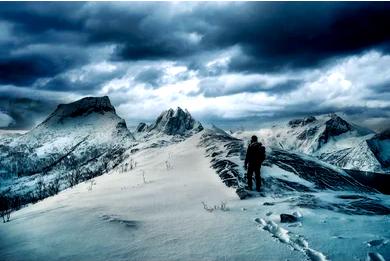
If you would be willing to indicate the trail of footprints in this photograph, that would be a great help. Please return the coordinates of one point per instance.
(295, 241)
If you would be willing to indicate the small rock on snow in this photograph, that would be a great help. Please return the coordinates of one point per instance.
(287, 218)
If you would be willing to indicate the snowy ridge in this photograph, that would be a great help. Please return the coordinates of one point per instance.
(331, 139)
(302, 172)
(149, 210)
(149, 203)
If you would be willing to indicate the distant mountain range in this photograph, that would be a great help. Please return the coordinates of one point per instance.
(331, 139)
(86, 138)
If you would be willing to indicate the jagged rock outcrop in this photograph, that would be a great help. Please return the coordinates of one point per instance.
(301, 122)
(334, 127)
(142, 126)
(173, 122)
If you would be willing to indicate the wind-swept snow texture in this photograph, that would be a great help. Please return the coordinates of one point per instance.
(149, 213)
(154, 211)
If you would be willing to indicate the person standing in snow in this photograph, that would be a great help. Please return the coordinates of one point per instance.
(255, 155)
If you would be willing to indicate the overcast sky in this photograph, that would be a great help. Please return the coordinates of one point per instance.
(228, 63)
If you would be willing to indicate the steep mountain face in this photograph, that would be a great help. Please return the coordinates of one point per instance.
(335, 126)
(142, 126)
(380, 147)
(172, 122)
(313, 135)
(81, 137)
(359, 157)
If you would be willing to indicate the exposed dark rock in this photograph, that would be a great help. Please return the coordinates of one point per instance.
(321, 175)
(334, 127)
(142, 126)
(364, 205)
(176, 122)
(301, 122)
(287, 218)
(378, 181)
(81, 107)
(308, 133)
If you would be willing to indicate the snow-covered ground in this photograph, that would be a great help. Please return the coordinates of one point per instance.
(155, 212)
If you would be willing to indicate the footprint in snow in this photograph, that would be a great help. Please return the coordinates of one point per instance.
(295, 241)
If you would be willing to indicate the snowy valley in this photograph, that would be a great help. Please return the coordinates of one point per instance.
(82, 186)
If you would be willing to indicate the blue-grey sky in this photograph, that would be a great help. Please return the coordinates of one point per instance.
(228, 62)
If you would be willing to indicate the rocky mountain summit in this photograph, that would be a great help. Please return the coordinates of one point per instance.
(82, 107)
(172, 122)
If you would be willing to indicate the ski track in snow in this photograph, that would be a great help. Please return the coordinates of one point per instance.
(296, 242)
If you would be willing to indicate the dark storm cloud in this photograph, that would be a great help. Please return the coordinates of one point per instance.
(24, 69)
(40, 17)
(151, 77)
(81, 81)
(25, 112)
(43, 45)
(271, 36)
(216, 87)
(382, 88)
(277, 36)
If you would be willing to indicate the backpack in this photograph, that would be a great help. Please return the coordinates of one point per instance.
(262, 153)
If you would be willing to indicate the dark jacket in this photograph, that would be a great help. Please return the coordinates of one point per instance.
(255, 155)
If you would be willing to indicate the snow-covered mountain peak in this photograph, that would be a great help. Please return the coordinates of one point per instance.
(80, 108)
(85, 129)
(173, 122)
(332, 139)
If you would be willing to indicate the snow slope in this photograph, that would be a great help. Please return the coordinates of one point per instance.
(155, 212)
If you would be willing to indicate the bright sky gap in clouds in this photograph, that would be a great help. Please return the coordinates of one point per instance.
(228, 63)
